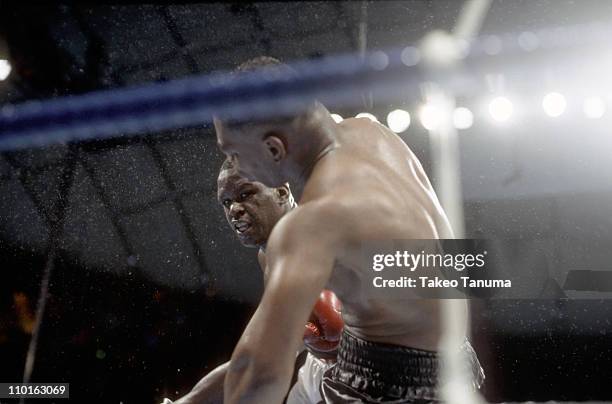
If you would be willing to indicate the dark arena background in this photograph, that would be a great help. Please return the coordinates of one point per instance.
(148, 287)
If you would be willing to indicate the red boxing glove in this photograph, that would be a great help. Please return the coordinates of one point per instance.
(324, 328)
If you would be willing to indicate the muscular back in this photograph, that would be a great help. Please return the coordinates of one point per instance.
(382, 192)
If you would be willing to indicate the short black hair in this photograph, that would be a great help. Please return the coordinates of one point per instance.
(264, 62)
(257, 63)
(270, 64)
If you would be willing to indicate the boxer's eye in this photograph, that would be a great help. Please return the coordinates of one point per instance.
(244, 195)
(227, 203)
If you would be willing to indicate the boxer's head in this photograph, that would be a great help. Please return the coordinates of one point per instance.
(273, 150)
(251, 208)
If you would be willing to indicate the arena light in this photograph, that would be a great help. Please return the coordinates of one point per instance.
(594, 107)
(528, 41)
(5, 69)
(379, 60)
(366, 115)
(501, 109)
(554, 104)
(411, 56)
(429, 116)
(337, 118)
(398, 120)
(463, 118)
(492, 45)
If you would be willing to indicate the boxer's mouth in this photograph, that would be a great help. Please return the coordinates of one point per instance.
(241, 226)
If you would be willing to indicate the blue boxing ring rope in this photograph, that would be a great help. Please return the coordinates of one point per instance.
(335, 81)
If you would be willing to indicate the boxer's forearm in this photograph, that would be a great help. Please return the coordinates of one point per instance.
(209, 389)
(262, 363)
(248, 382)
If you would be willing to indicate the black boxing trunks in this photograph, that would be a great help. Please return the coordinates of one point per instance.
(371, 372)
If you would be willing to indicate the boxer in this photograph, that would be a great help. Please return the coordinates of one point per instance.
(252, 210)
(356, 181)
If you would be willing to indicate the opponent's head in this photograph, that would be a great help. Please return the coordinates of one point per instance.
(266, 149)
(251, 208)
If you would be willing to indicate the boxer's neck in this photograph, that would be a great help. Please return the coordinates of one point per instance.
(316, 138)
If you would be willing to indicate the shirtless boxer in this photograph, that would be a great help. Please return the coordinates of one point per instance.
(356, 181)
(252, 210)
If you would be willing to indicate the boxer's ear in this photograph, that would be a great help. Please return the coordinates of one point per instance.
(275, 147)
(283, 194)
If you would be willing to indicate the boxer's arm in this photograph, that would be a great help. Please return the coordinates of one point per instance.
(209, 389)
(324, 327)
(300, 258)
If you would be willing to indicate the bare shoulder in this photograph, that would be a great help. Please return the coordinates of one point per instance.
(312, 220)
(310, 235)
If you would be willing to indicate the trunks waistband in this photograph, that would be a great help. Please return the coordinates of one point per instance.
(387, 369)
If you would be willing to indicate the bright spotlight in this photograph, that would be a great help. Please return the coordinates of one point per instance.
(463, 118)
(594, 107)
(337, 118)
(379, 60)
(528, 41)
(554, 104)
(398, 120)
(492, 45)
(429, 116)
(501, 109)
(411, 56)
(366, 115)
(5, 69)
